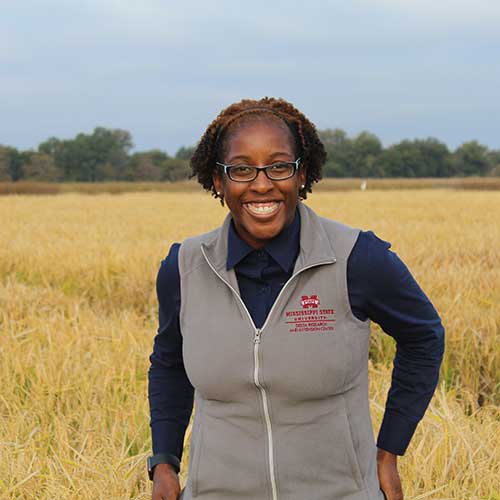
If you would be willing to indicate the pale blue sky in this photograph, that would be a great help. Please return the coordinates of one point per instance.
(164, 69)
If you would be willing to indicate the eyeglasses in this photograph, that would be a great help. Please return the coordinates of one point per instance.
(247, 173)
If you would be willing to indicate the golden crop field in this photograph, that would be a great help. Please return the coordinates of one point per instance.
(78, 317)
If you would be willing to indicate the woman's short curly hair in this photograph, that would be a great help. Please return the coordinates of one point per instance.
(212, 144)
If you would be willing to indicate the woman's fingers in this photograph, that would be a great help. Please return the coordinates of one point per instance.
(166, 484)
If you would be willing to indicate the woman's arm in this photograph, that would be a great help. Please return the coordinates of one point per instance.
(382, 288)
(169, 390)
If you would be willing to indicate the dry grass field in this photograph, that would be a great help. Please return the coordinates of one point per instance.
(78, 317)
(338, 184)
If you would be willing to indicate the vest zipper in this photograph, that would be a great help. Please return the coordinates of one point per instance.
(256, 342)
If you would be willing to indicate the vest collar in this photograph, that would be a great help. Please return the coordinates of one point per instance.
(283, 248)
(315, 246)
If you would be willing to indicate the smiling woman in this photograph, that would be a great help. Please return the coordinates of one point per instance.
(261, 207)
(265, 323)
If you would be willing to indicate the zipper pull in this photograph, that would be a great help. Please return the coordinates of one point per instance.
(256, 339)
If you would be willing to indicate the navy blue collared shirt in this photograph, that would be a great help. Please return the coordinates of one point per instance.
(380, 287)
(262, 273)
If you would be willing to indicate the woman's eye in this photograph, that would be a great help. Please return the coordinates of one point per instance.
(278, 167)
(242, 169)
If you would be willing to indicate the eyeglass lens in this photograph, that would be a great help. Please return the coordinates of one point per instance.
(277, 171)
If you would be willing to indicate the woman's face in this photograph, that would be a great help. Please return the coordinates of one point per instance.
(260, 143)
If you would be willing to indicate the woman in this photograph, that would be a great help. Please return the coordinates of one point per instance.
(265, 320)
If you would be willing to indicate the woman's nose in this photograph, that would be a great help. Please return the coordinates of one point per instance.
(262, 183)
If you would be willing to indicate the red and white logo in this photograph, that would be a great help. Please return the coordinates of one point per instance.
(311, 318)
(308, 301)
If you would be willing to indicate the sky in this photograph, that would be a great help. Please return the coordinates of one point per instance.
(164, 69)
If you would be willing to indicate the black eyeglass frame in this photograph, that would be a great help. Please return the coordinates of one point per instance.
(227, 170)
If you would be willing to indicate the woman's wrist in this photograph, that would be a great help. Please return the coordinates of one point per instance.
(161, 469)
(384, 456)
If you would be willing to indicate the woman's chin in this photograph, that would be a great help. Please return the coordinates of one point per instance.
(262, 233)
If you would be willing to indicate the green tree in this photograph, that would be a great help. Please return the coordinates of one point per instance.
(176, 170)
(59, 151)
(147, 166)
(471, 158)
(4, 164)
(332, 138)
(494, 158)
(400, 160)
(436, 158)
(51, 147)
(102, 155)
(339, 152)
(333, 169)
(110, 148)
(416, 158)
(157, 156)
(184, 153)
(11, 163)
(146, 170)
(366, 149)
(41, 167)
(348, 157)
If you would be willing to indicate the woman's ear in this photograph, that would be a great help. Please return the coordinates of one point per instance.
(217, 180)
(302, 176)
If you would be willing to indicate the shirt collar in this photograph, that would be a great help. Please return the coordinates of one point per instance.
(283, 248)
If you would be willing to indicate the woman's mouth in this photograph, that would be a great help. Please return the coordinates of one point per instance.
(263, 208)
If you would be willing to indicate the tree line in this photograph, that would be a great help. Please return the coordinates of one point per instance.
(105, 155)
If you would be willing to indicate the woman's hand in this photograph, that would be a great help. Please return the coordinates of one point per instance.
(166, 484)
(388, 475)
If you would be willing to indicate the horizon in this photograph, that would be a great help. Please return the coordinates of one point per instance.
(173, 152)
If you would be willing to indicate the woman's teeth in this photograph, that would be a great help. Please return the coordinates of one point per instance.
(263, 208)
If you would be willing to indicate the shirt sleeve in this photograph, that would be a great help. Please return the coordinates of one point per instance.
(169, 389)
(382, 288)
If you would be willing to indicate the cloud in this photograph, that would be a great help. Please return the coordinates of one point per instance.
(163, 68)
(459, 13)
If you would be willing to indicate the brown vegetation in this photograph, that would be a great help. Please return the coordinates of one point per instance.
(344, 184)
(78, 317)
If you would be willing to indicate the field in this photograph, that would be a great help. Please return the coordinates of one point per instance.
(78, 317)
(344, 184)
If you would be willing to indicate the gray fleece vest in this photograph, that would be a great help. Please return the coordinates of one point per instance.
(282, 411)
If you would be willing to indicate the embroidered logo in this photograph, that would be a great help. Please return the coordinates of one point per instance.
(309, 301)
(311, 318)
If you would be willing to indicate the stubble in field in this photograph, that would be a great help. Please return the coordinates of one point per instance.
(78, 317)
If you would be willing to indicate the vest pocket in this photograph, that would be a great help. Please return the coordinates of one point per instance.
(317, 454)
(351, 452)
(227, 458)
(196, 459)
